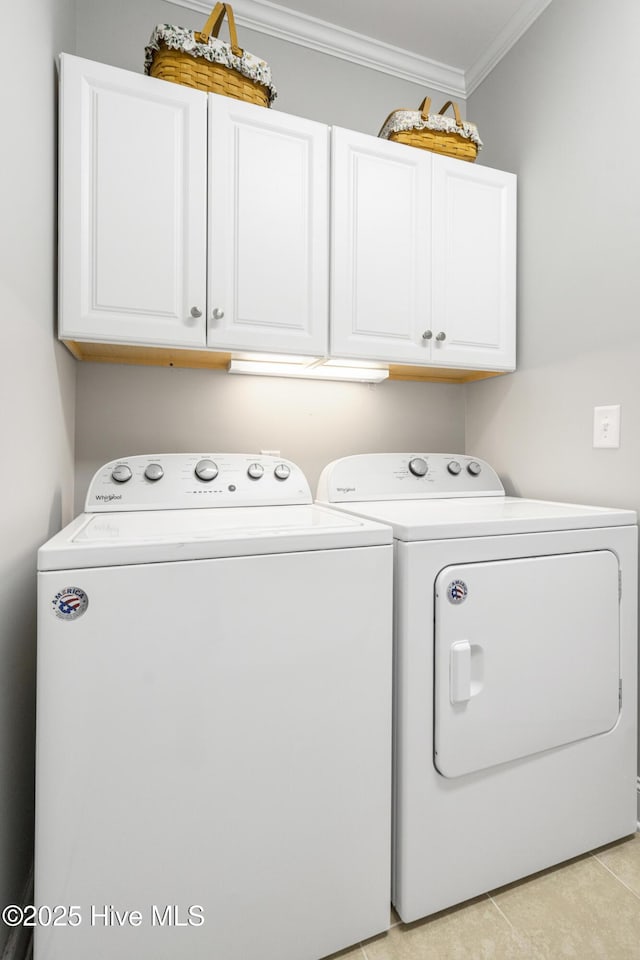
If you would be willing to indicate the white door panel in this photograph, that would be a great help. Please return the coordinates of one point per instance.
(268, 229)
(526, 657)
(381, 251)
(215, 733)
(133, 207)
(474, 266)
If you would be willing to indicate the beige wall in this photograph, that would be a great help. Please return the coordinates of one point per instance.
(561, 110)
(127, 410)
(36, 400)
(546, 113)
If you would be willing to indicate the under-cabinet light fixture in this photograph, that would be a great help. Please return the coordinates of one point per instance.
(309, 370)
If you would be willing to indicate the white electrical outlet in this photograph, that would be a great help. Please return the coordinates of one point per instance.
(606, 426)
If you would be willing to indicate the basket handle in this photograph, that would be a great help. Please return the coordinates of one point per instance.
(456, 112)
(426, 105)
(213, 24)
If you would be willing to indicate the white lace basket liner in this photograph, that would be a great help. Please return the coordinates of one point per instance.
(404, 121)
(215, 51)
(411, 120)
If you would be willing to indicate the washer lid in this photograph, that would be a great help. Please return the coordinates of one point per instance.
(484, 516)
(114, 539)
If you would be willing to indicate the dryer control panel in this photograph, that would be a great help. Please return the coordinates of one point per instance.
(407, 476)
(172, 481)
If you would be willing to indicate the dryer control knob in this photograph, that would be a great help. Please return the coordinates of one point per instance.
(121, 473)
(454, 467)
(418, 467)
(474, 468)
(154, 472)
(206, 470)
(282, 471)
(255, 470)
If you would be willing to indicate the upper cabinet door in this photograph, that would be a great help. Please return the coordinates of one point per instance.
(474, 265)
(268, 230)
(381, 249)
(133, 207)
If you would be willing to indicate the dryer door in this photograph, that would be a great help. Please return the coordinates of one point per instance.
(526, 657)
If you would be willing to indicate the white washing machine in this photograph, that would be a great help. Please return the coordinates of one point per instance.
(214, 718)
(515, 663)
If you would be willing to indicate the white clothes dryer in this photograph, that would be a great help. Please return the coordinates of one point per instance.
(214, 717)
(515, 673)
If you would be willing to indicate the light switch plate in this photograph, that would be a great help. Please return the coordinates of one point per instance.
(606, 426)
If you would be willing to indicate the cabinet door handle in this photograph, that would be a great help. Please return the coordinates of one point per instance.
(441, 336)
(427, 335)
(195, 312)
(217, 314)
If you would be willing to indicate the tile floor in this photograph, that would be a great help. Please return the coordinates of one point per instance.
(587, 909)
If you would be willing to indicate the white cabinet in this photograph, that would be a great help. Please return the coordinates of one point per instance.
(132, 207)
(423, 263)
(474, 265)
(381, 249)
(195, 225)
(268, 230)
(136, 166)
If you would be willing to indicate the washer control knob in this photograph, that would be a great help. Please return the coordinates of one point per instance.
(154, 472)
(255, 470)
(418, 467)
(454, 467)
(121, 473)
(206, 470)
(282, 471)
(474, 468)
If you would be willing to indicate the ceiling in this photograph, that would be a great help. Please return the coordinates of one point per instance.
(449, 45)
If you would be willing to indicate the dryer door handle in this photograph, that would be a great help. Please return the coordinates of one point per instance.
(460, 672)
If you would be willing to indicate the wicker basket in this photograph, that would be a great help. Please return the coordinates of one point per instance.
(419, 128)
(202, 61)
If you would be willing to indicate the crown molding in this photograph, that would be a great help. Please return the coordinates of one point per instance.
(269, 18)
(507, 38)
(286, 24)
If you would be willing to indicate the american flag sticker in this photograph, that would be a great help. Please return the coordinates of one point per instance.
(457, 591)
(70, 603)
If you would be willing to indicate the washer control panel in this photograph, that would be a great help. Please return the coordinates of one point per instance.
(407, 476)
(172, 481)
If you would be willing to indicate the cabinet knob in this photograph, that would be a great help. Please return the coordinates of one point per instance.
(427, 335)
(217, 314)
(195, 312)
(441, 336)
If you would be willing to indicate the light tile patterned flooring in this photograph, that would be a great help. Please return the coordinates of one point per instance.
(587, 909)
